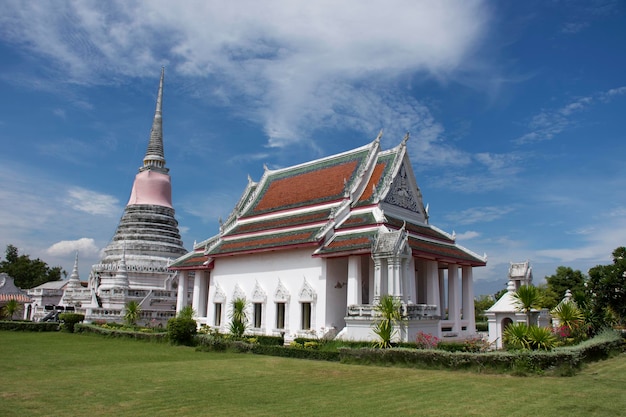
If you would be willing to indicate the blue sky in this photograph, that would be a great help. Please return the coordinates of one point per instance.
(515, 109)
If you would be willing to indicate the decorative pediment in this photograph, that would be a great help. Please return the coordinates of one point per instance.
(307, 293)
(258, 295)
(402, 192)
(220, 295)
(281, 294)
(238, 293)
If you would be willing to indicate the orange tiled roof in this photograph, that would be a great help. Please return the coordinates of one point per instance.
(441, 250)
(282, 222)
(193, 260)
(266, 242)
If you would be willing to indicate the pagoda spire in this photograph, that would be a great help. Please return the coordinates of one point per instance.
(74, 281)
(155, 158)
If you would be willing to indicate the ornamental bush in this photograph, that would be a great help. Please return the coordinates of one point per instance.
(181, 331)
(68, 320)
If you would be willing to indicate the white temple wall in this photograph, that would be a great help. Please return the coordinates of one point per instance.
(301, 276)
(337, 289)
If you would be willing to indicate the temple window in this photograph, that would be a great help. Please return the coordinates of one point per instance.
(218, 314)
(280, 315)
(306, 316)
(258, 310)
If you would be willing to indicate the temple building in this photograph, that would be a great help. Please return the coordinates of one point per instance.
(134, 266)
(313, 247)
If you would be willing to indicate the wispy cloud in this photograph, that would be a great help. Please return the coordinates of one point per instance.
(478, 215)
(470, 234)
(92, 202)
(549, 123)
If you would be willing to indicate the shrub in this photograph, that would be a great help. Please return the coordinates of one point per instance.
(68, 320)
(238, 317)
(388, 308)
(181, 331)
(482, 326)
(29, 326)
(426, 340)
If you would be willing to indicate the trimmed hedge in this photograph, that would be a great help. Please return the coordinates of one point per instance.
(69, 320)
(182, 331)
(29, 326)
(560, 361)
(125, 334)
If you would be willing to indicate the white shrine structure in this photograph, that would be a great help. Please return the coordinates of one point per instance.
(135, 263)
(313, 247)
(505, 311)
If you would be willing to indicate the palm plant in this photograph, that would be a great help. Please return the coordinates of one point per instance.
(238, 317)
(526, 298)
(515, 336)
(186, 312)
(389, 309)
(540, 338)
(11, 307)
(568, 314)
(133, 311)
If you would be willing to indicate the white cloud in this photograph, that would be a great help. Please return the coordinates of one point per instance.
(294, 66)
(470, 234)
(92, 202)
(478, 215)
(84, 246)
(549, 123)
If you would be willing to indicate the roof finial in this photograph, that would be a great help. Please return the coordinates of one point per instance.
(406, 138)
(155, 157)
(379, 137)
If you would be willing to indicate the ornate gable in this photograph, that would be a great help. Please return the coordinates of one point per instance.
(238, 293)
(258, 295)
(402, 193)
(281, 293)
(307, 293)
(220, 295)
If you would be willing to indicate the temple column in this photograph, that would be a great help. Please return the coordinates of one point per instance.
(454, 312)
(442, 291)
(467, 282)
(393, 277)
(354, 280)
(409, 281)
(377, 280)
(200, 286)
(181, 296)
(432, 284)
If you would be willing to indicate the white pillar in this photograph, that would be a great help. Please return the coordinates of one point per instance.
(453, 296)
(431, 276)
(467, 282)
(354, 280)
(409, 288)
(199, 298)
(181, 296)
(377, 280)
(442, 291)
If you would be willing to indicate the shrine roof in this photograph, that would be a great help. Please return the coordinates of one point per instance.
(418, 229)
(358, 220)
(192, 260)
(444, 251)
(317, 182)
(351, 242)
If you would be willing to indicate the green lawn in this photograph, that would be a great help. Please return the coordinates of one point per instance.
(61, 374)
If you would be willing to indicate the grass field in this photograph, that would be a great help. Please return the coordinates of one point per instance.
(62, 374)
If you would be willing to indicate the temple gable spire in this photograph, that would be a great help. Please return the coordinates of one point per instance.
(155, 158)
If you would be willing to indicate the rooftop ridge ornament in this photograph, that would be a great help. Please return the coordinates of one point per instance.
(155, 157)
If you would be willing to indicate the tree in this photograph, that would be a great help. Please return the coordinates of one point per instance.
(186, 312)
(564, 279)
(238, 317)
(526, 298)
(607, 288)
(133, 311)
(481, 304)
(26, 272)
(389, 309)
(11, 307)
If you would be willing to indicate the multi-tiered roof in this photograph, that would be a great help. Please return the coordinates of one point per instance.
(336, 206)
